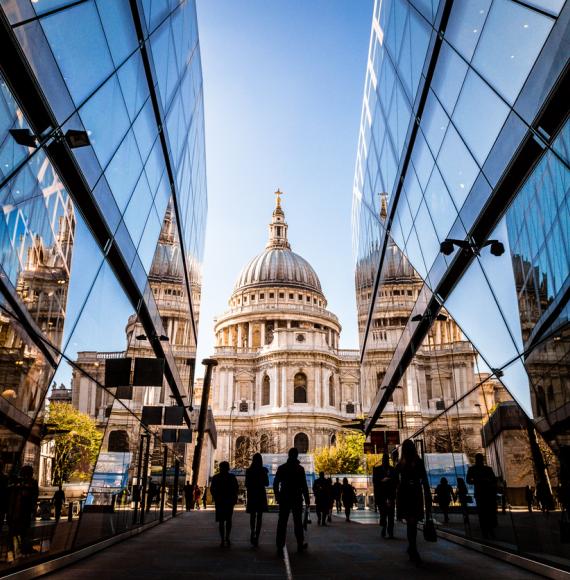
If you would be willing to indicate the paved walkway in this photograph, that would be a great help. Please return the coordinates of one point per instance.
(188, 547)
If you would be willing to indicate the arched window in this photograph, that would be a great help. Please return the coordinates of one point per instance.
(333, 439)
(300, 388)
(379, 379)
(243, 452)
(301, 443)
(265, 390)
(331, 391)
(118, 442)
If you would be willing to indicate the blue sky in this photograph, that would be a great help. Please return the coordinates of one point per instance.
(283, 86)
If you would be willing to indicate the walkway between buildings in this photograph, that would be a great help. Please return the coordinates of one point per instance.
(188, 547)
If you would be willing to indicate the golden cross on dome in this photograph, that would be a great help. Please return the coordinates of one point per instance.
(278, 193)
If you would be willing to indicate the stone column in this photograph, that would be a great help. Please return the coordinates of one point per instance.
(230, 386)
(262, 331)
(284, 399)
(222, 387)
(250, 335)
(278, 402)
(273, 399)
(239, 336)
(317, 373)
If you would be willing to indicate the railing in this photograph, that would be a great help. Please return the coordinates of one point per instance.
(107, 355)
(259, 307)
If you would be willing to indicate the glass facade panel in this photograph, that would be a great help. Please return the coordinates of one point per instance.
(467, 351)
(91, 277)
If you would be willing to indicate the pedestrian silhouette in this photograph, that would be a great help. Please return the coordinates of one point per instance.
(348, 498)
(22, 509)
(290, 487)
(58, 500)
(188, 495)
(205, 497)
(413, 494)
(481, 476)
(337, 495)
(330, 499)
(462, 496)
(256, 480)
(384, 480)
(197, 496)
(224, 488)
(321, 493)
(444, 496)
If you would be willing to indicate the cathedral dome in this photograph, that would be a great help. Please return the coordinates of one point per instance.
(278, 265)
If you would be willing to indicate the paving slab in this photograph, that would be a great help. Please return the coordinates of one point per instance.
(188, 547)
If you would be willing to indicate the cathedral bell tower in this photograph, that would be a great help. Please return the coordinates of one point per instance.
(278, 226)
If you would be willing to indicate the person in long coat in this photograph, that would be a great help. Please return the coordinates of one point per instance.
(385, 481)
(483, 478)
(256, 480)
(444, 494)
(224, 490)
(348, 497)
(413, 495)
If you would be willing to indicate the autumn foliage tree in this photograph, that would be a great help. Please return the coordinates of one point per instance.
(76, 443)
(346, 456)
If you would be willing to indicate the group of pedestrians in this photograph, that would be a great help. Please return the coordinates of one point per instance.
(327, 494)
(192, 496)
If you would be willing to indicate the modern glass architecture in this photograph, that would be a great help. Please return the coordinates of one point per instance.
(103, 199)
(461, 222)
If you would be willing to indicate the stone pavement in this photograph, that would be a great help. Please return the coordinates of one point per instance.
(188, 547)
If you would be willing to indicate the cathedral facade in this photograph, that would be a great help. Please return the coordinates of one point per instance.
(281, 379)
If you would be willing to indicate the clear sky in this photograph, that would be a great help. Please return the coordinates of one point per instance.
(283, 87)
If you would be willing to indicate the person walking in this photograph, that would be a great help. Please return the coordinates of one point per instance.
(444, 496)
(58, 500)
(384, 480)
(256, 480)
(348, 498)
(188, 495)
(290, 488)
(320, 491)
(197, 496)
(224, 489)
(205, 497)
(413, 494)
(22, 509)
(330, 499)
(462, 495)
(337, 495)
(483, 478)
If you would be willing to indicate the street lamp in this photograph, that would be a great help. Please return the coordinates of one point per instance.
(447, 246)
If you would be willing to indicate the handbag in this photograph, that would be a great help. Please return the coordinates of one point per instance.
(430, 534)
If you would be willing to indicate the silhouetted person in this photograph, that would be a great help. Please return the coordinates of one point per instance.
(188, 495)
(152, 493)
(197, 496)
(481, 476)
(337, 495)
(320, 491)
(444, 496)
(224, 488)
(256, 480)
(205, 497)
(58, 500)
(348, 498)
(330, 499)
(413, 495)
(462, 495)
(290, 487)
(384, 480)
(22, 508)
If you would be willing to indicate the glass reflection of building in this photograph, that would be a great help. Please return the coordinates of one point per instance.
(102, 168)
(461, 145)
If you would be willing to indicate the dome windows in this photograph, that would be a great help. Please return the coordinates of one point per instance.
(265, 391)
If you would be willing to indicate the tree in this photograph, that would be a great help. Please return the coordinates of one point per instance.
(76, 443)
(344, 457)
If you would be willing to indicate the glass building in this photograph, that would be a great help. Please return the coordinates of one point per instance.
(461, 234)
(103, 198)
